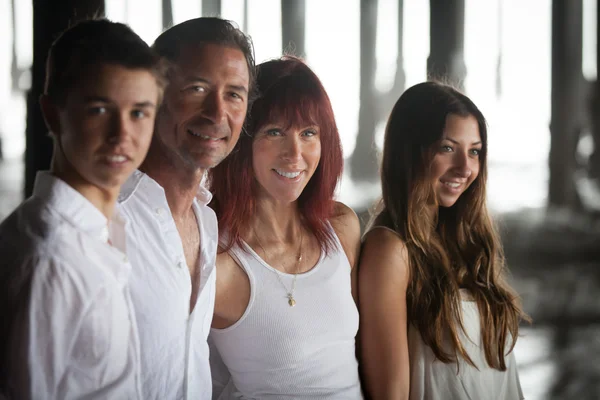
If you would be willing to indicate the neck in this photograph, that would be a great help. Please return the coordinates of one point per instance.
(282, 223)
(103, 199)
(179, 181)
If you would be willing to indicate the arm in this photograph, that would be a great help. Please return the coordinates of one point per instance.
(383, 277)
(80, 342)
(347, 227)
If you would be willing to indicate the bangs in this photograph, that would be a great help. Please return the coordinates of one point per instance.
(294, 103)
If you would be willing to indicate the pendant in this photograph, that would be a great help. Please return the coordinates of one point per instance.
(291, 300)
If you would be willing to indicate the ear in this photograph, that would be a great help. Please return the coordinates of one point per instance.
(50, 111)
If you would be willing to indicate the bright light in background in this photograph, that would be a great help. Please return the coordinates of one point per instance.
(589, 39)
(12, 104)
(233, 10)
(143, 16)
(332, 47)
(386, 52)
(416, 40)
(184, 10)
(264, 26)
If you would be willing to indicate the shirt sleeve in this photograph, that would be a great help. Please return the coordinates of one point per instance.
(80, 337)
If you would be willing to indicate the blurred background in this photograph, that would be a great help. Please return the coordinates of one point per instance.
(530, 66)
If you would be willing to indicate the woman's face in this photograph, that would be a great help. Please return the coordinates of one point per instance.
(284, 159)
(456, 161)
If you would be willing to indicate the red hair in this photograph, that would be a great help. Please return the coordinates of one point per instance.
(288, 90)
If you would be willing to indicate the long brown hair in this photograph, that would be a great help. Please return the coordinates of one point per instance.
(448, 248)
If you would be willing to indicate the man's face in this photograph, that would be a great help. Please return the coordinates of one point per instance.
(204, 106)
(105, 127)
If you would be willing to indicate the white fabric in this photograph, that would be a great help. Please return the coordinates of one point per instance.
(278, 352)
(73, 333)
(432, 379)
(175, 352)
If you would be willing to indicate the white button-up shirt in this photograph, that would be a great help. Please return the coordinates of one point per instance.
(175, 356)
(68, 329)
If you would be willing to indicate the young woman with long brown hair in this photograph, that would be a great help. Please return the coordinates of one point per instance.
(438, 319)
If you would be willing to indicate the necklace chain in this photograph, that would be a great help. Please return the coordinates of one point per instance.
(290, 293)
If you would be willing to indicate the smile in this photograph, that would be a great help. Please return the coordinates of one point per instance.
(116, 158)
(453, 185)
(290, 175)
(204, 137)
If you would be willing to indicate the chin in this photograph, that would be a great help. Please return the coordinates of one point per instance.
(447, 203)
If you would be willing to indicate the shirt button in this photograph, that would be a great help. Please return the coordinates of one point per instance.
(159, 211)
(180, 264)
(125, 259)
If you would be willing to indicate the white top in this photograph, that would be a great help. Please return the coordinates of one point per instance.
(303, 352)
(175, 352)
(63, 287)
(431, 379)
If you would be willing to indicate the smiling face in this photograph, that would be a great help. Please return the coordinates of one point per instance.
(284, 159)
(205, 105)
(456, 161)
(104, 129)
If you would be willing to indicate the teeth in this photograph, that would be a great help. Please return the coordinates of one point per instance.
(202, 136)
(452, 184)
(117, 158)
(290, 175)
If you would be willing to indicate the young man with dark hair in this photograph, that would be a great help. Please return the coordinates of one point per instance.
(174, 238)
(68, 327)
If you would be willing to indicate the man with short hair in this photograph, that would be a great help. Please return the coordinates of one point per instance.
(68, 328)
(174, 238)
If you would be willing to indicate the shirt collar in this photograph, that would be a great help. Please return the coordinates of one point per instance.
(203, 195)
(73, 206)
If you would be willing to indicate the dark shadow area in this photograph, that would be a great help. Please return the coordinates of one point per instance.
(554, 258)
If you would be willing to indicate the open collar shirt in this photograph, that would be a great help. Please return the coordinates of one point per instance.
(70, 331)
(175, 354)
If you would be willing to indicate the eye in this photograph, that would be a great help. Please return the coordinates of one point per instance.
(138, 114)
(98, 110)
(309, 132)
(273, 132)
(446, 148)
(475, 152)
(195, 89)
(236, 96)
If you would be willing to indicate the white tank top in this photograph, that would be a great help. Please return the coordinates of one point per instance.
(307, 351)
(430, 379)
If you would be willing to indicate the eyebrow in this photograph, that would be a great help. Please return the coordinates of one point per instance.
(456, 142)
(101, 99)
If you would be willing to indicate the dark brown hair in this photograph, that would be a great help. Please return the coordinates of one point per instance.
(448, 248)
(93, 42)
(205, 30)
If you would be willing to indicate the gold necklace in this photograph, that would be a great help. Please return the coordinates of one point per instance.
(290, 293)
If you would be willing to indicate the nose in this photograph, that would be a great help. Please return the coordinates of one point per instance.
(120, 128)
(213, 107)
(462, 164)
(292, 148)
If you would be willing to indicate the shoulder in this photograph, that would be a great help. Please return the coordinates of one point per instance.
(346, 225)
(384, 253)
(344, 220)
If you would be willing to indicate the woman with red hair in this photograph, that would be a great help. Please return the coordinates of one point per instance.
(285, 319)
